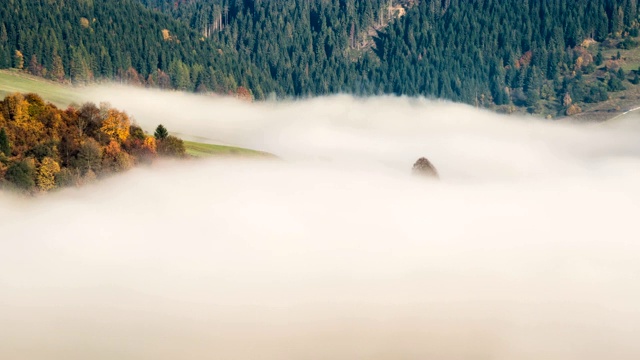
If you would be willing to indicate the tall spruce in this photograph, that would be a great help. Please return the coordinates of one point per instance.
(161, 132)
(5, 146)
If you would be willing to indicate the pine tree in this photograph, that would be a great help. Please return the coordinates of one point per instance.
(599, 59)
(161, 132)
(5, 146)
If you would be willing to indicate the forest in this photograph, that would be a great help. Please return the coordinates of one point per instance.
(43, 147)
(529, 54)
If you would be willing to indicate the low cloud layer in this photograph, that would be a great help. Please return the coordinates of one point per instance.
(526, 249)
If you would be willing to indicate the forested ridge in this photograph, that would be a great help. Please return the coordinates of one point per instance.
(507, 54)
(89, 40)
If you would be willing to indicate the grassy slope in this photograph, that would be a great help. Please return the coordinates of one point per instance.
(12, 81)
(203, 150)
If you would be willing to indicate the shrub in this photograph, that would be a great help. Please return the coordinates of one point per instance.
(171, 146)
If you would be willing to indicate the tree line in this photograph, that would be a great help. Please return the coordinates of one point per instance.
(43, 147)
(83, 41)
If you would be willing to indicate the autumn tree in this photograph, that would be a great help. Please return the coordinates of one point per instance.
(35, 68)
(88, 120)
(114, 159)
(18, 60)
(171, 146)
(150, 144)
(161, 79)
(68, 147)
(46, 178)
(244, 94)
(89, 157)
(26, 130)
(116, 125)
(136, 132)
(132, 77)
(65, 177)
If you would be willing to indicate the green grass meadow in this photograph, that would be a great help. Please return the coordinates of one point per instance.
(11, 81)
(200, 150)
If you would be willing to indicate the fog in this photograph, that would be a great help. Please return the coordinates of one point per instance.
(526, 248)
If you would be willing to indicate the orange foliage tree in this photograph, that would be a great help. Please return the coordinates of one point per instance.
(114, 159)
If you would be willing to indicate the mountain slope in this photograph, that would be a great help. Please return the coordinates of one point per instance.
(83, 40)
(487, 52)
(508, 55)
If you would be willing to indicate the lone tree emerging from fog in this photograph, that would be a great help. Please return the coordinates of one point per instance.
(423, 167)
(161, 133)
(5, 147)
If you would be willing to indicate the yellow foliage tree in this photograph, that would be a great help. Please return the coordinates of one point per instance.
(15, 107)
(47, 174)
(573, 109)
(579, 63)
(25, 131)
(150, 144)
(19, 60)
(116, 125)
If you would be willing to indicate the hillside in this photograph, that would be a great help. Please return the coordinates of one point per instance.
(12, 81)
(84, 41)
(512, 56)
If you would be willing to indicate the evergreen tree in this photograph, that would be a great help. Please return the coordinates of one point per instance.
(614, 84)
(161, 132)
(21, 174)
(5, 146)
(599, 59)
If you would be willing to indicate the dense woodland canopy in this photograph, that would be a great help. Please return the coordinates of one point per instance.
(86, 40)
(43, 147)
(484, 52)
